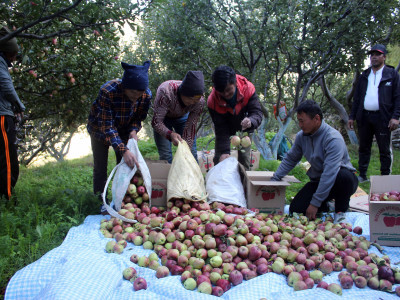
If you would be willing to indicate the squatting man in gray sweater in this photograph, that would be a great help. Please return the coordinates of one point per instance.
(331, 174)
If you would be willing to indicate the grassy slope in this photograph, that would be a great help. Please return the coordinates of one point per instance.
(57, 196)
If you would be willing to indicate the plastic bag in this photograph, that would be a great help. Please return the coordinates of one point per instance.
(282, 114)
(185, 179)
(223, 183)
(122, 178)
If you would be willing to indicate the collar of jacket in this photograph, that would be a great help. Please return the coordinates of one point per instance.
(319, 131)
(386, 73)
(245, 89)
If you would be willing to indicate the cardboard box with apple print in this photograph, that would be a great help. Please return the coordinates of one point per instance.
(159, 170)
(254, 158)
(205, 159)
(384, 216)
(268, 196)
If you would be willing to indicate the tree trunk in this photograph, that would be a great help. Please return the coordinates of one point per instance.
(339, 109)
(261, 143)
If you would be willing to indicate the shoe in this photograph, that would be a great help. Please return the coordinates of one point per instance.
(340, 217)
(331, 205)
(103, 210)
(362, 179)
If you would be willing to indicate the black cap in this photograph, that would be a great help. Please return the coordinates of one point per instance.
(378, 48)
(192, 84)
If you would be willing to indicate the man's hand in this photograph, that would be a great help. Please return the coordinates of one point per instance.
(130, 159)
(19, 116)
(224, 156)
(133, 135)
(176, 138)
(311, 212)
(393, 124)
(246, 123)
(350, 124)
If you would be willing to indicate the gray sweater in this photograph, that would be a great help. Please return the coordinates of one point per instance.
(326, 151)
(9, 100)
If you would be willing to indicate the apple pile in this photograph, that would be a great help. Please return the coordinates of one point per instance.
(213, 250)
(136, 191)
(386, 196)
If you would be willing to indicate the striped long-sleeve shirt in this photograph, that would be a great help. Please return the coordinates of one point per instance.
(113, 116)
(167, 104)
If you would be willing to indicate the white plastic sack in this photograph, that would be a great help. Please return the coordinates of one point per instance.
(223, 183)
(185, 179)
(122, 178)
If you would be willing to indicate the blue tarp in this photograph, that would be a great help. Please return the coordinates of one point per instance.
(81, 269)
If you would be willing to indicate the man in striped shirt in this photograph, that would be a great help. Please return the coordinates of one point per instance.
(177, 107)
(115, 117)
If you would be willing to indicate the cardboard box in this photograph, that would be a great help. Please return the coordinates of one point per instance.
(254, 158)
(205, 159)
(268, 196)
(359, 202)
(159, 170)
(384, 215)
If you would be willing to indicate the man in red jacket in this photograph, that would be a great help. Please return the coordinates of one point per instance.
(234, 106)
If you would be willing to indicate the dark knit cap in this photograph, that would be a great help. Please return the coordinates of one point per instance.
(9, 45)
(192, 84)
(135, 77)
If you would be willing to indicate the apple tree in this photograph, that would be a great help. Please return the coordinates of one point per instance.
(284, 47)
(68, 49)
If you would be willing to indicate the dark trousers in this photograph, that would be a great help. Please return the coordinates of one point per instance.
(345, 185)
(9, 165)
(100, 160)
(372, 125)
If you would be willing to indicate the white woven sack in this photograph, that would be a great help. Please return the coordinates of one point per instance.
(122, 178)
(185, 179)
(223, 183)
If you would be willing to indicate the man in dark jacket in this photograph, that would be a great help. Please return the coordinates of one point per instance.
(11, 110)
(234, 106)
(376, 108)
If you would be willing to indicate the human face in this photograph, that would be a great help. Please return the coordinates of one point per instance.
(377, 60)
(228, 92)
(190, 100)
(133, 95)
(307, 124)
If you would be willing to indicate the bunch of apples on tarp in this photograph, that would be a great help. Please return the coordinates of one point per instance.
(212, 251)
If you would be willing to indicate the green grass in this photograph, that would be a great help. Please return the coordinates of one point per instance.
(57, 196)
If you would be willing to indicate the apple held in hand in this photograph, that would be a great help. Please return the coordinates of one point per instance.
(235, 141)
(245, 142)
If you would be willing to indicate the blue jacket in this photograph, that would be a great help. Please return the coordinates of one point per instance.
(9, 100)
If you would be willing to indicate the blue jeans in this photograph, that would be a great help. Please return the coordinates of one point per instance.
(164, 145)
